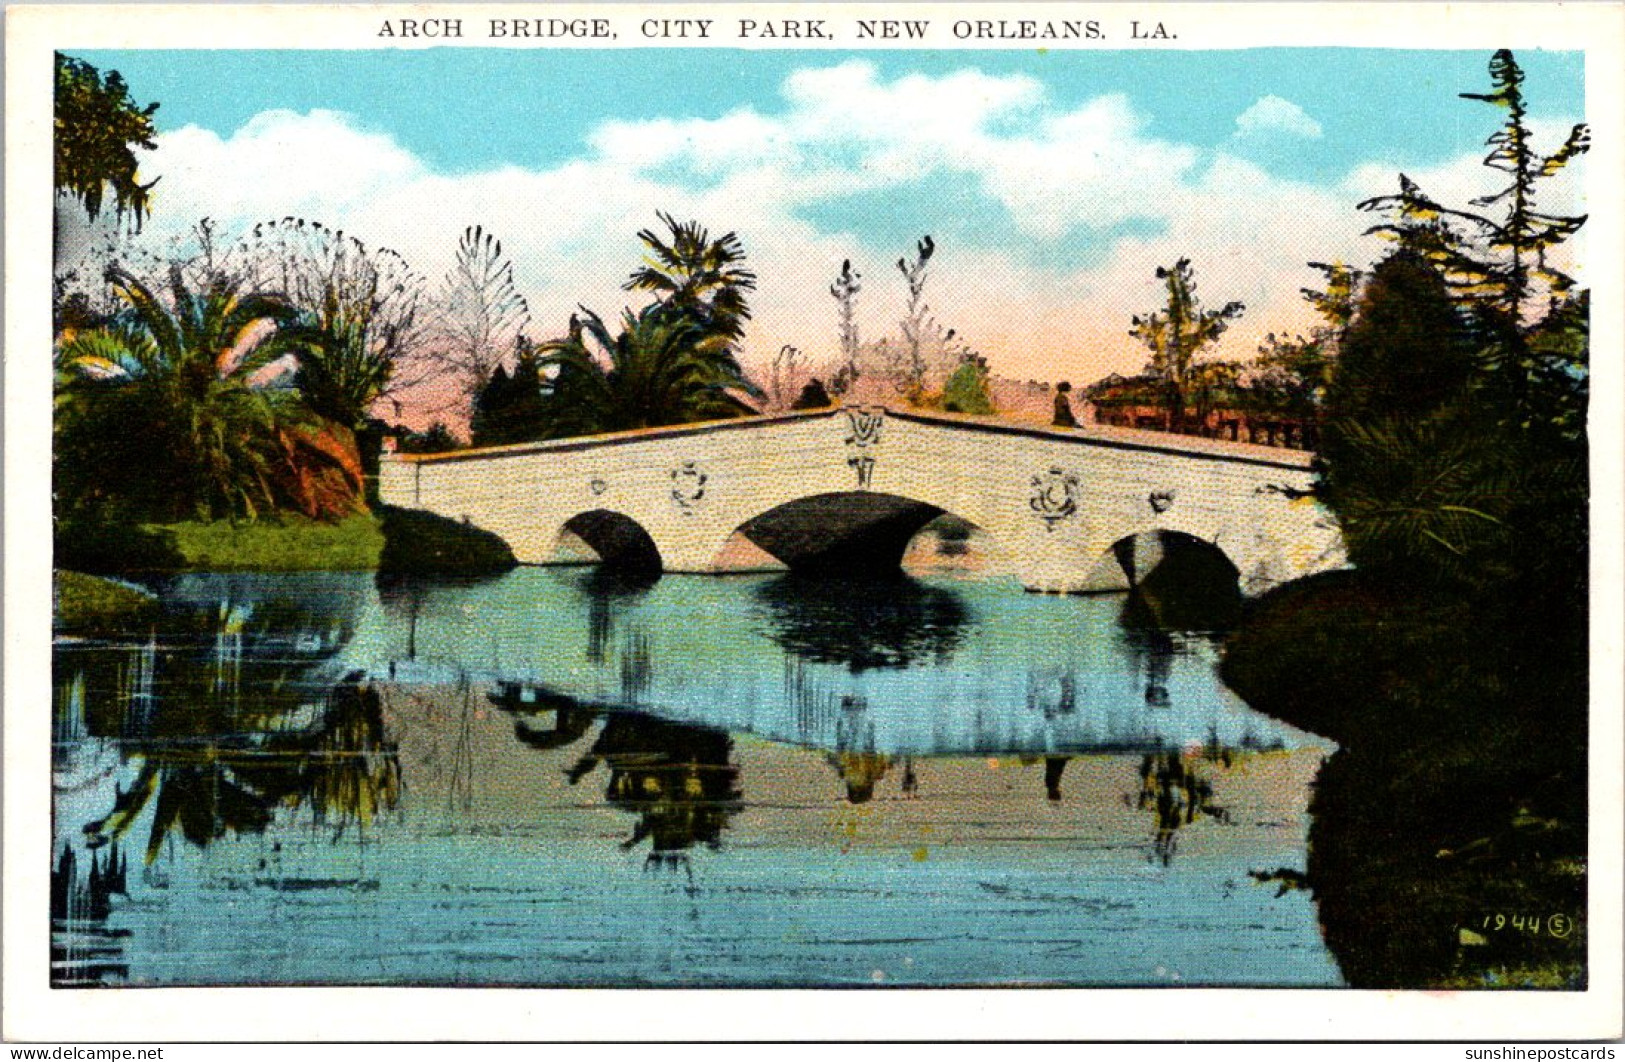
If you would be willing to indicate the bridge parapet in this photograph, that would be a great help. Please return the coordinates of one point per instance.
(1054, 500)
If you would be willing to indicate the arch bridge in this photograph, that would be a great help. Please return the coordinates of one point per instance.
(844, 489)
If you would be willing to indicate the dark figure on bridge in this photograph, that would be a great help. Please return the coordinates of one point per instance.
(1063, 407)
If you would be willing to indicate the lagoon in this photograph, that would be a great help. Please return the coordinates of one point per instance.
(564, 777)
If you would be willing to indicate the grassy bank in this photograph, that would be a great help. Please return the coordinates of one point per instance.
(89, 604)
(1448, 842)
(421, 543)
(392, 540)
(288, 543)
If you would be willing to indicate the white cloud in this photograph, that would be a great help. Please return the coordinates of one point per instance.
(571, 229)
(1273, 115)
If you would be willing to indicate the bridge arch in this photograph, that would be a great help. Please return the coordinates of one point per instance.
(618, 540)
(1177, 580)
(1140, 551)
(856, 532)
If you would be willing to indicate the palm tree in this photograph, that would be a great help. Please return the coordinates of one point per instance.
(340, 373)
(182, 400)
(345, 772)
(661, 369)
(701, 278)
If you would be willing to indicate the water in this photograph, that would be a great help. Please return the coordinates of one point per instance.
(560, 778)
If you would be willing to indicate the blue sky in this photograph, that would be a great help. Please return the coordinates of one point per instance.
(1053, 181)
(467, 109)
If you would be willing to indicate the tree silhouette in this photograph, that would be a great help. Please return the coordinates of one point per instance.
(661, 368)
(97, 128)
(845, 291)
(483, 311)
(1292, 374)
(1500, 261)
(697, 277)
(1177, 334)
(361, 312)
(509, 409)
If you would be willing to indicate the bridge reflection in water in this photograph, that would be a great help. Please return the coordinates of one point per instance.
(563, 776)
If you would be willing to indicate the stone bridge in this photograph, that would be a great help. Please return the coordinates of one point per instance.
(845, 489)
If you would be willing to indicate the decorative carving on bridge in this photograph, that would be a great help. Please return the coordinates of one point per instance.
(864, 424)
(1055, 496)
(687, 486)
(597, 485)
(1289, 493)
(1161, 501)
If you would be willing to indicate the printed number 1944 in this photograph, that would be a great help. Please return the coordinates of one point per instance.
(1557, 925)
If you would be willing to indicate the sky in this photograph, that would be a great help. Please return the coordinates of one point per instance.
(1053, 183)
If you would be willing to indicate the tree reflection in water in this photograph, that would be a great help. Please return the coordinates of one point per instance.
(1054, 766)
(854, 757)
(861, 772)
(676, 778)
(1152, 646)
(863, 624)
(611, 593)
(207, 784)
(542, 719)
(1176, 790)
(84, 951)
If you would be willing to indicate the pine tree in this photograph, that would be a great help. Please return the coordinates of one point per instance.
(1496, 262)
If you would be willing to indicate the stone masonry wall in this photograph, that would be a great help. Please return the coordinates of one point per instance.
(1054, 500)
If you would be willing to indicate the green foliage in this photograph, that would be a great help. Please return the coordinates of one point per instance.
(1552, 375)
(1292, 375)
(1455, 460)
(1459, 786)
(672, 362)
(1451, 663)
(1493, 262)
(509, 409)
(97, 128)
(218, 777)
(422, 543)
(108, 541)
(1407, 350)
(286, 543)
(169, 413)
(1441, 373)
(1423, 502)
(1178, 333)
(696, 277)
(661, 368)
(89, 604)
(340, 374)
(967, 389)
(359, 312)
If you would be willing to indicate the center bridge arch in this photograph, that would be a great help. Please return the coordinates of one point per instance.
(850, 533)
